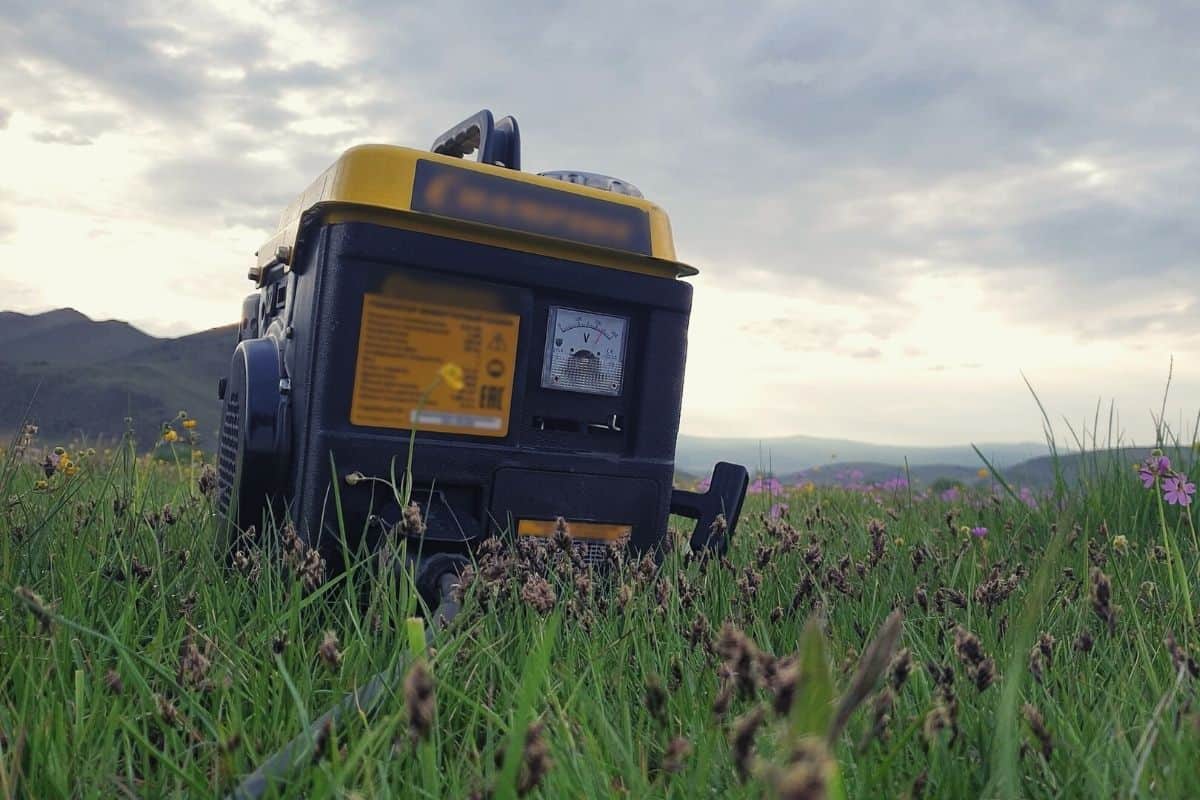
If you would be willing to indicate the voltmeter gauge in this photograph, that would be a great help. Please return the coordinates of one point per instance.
(585, 352)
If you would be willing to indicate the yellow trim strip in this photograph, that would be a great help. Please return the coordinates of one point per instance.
(511, 240)
(578, 530)
(380, 177)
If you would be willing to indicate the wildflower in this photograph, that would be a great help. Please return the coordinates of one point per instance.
(197, 456)
(1155, 466)
(452, 375)
(1178, 490)
(170, 436)
(354, 478)
(190, 424)
(419, 700)
(1120, 544)
(983, 473)
(41, 485)
(779, 510)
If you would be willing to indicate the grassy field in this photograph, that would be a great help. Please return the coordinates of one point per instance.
(1050, 655)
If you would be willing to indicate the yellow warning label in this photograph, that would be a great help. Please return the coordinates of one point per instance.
(402, 345)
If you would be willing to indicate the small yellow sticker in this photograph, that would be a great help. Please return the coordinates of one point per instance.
(402, 345)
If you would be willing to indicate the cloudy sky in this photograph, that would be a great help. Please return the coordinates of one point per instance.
(897, 208)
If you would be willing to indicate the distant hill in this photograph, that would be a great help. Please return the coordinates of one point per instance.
(89, 375)
(790, 454)
(84, 377)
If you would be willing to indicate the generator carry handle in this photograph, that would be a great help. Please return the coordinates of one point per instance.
(726, 492)
(496, 143)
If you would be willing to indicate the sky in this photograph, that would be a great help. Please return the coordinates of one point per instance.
(901, 211)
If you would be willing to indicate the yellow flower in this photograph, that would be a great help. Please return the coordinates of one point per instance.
(70, 469)
(899, 541)
(41, 485)
(452, 374)
(189, 423)
(983, 473)
(170, 436)
(1120, 544)
(197, 456)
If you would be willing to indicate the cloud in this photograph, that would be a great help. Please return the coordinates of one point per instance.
(842, 160)
(67, 136)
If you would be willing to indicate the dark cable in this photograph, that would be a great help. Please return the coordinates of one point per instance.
(366, 699)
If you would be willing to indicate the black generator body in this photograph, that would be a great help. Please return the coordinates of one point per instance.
(568, 331)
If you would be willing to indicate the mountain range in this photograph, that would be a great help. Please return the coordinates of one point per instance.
(79, 379)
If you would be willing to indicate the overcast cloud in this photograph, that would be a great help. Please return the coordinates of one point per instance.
(896, 207)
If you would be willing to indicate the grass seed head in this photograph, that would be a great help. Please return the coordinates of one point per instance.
(655, 698)
(1180, 658)
(328, 651)
(1037, 725)
(538, 594)
(805, 777)
(419, 701)
(742, 742)
(535, 759)
(1102, 599)
(678, 749)
(36, 606)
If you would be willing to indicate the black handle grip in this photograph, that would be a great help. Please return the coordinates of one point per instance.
(726, 492)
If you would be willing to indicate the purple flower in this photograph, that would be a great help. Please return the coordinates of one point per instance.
(950, 495)
(1178, 490)
(779, 510)
(761, 485)
(1152, 468)
(979, 532)
(1027, 497)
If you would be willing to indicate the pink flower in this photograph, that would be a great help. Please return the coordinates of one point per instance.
(1178, 490)
(950, 495)
(979, 532)
(779, 510)
(1153, 467)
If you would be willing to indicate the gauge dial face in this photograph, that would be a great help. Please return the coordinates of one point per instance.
(585, 352)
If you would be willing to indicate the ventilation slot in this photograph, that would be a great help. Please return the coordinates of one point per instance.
(227, 454)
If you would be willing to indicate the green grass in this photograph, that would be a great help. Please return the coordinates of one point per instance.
(123, 594)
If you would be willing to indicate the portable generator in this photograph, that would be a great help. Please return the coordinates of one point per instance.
(557, 294)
